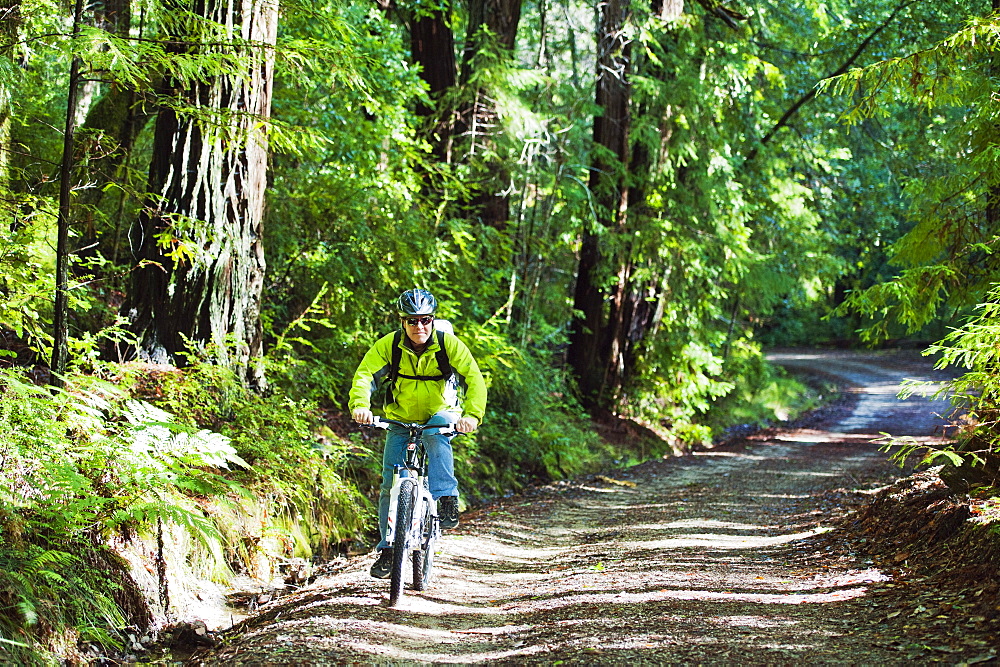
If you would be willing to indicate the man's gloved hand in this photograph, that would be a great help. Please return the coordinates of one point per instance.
(466, 424)
(363, 416)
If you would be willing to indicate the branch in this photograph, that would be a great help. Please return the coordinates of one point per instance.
(792, 110)
(175, 41)
(729, 16)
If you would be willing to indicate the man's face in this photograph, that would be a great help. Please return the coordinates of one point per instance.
(418, 328)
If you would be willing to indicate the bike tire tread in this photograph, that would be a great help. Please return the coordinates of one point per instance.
(404, 516)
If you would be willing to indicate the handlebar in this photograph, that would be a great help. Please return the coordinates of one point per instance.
(445, 429)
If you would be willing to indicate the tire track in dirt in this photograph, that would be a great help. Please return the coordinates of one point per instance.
(711, 558)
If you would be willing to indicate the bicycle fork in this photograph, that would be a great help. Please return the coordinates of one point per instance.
(411, 532)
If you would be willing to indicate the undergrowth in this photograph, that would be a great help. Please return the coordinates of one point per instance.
(189, 455)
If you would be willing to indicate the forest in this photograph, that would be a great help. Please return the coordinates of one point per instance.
(208, 209)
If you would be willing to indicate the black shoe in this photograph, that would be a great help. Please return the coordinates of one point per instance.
(382, 568)
(448, 511)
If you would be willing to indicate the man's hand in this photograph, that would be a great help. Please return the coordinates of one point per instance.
(363, 416)
(466, 424)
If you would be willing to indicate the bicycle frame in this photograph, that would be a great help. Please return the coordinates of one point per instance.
(415, 463)
(410, 490)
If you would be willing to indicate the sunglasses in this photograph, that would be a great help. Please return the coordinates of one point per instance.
(414, 321)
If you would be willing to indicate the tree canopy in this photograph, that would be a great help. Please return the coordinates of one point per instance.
(620, 205)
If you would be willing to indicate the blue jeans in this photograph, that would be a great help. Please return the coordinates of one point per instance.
(440, 465)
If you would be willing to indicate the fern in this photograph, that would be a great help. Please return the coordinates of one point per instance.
(948, 258)
(975, 346)
(81, 463)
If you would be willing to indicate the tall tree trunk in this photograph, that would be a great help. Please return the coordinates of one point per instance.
(595, 349)
(201, 261)
(10, 22)
(619, 313)
(432, 47)
(60, 319)
(458, 135)
(993, 194)
(492, 27)
(636, 306)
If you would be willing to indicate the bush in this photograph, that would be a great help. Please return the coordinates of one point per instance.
(242, 476)
(764, 395)
(80, 465)
(973, 458)
(533, 430)
(296, 473)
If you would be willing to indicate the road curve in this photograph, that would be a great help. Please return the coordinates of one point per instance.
(875, 378)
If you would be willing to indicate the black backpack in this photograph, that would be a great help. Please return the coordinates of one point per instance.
(384, 391)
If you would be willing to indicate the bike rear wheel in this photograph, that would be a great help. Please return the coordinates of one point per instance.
(404, 517)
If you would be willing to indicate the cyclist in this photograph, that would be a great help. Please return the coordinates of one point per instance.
(421, 394)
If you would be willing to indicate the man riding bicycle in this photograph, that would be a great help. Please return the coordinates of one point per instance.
(421, 393)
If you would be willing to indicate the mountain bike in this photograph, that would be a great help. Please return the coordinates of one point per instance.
(414, 527)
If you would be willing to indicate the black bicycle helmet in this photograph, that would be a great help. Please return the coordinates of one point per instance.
(416, 302)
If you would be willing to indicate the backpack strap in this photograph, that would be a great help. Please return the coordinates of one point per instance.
(394, 358)
(444, 364)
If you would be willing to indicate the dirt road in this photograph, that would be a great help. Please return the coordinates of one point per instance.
(715, 557)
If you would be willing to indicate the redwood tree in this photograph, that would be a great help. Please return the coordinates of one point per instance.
(492, 32)
(594, 352)
(432, 46)
(619, 290)
(197, 284)
(10, 19)
(464, 126)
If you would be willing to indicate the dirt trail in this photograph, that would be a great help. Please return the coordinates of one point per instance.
(709, 558)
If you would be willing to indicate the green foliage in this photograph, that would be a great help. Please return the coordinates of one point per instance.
(975, 347)
(51, 585)
(859, 177)
(948, 254)
(94, 456)
(81, 465)
(275, 440)
(533, 430)
(740, 230)
(27, 265)
(349, 227)
(764, 395)
(95, 461)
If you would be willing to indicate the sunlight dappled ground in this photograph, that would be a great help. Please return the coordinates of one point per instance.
(712, 557)
(593, 571)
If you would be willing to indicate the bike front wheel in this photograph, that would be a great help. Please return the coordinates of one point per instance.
(404, 519)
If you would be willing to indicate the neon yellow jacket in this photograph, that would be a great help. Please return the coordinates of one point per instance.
(418, 400)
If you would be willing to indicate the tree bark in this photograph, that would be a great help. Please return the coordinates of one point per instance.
(595, 341)
(457, 135)
(197, 285)
(500, 18)
(618, 314)
(60, 319)
(993, 194)
(432, 47)
(10, 21)
(492, 27)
